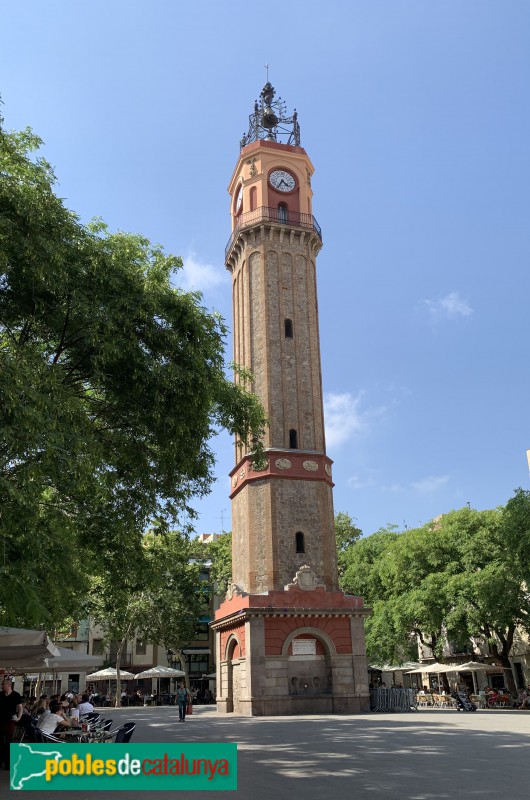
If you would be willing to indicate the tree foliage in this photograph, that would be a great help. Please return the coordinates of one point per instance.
(346, 534)
(220, 552)
(157, 597)
(112, 383)
(462, 578)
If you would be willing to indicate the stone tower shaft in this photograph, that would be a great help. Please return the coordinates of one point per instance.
(282, 516)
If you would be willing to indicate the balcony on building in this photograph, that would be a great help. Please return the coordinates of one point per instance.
(279, 216)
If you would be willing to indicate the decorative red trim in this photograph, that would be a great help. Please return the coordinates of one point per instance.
(297, 465)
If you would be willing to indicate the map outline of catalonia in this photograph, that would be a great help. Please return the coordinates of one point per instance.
(17, 786)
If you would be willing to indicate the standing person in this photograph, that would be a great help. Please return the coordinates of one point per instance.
(183, 698)
(11, 708)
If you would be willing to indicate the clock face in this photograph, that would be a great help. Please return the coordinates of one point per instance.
(239, 199)
(282, 181)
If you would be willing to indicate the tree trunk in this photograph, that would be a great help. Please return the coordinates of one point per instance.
(117, 701)
(503, 656)
(184, 664)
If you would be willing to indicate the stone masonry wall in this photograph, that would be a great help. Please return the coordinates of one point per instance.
(266, 515)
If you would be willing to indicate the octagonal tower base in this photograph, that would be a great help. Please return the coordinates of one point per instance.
(291, 652)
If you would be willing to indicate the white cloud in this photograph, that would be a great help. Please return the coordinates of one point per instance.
(430, 484)
(199, 276)
(395, 488)
(345, 418)
(450, 306)
(359, 482)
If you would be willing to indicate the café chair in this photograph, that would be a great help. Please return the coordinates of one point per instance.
(120, 735)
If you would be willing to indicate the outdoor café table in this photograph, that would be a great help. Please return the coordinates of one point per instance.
(70, 735)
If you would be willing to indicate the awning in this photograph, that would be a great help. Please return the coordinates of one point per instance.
(67, 661)
(19, 646)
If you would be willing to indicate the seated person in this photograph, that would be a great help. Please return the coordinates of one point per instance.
(65, 703)
(491, 696)
(40, 706)
(85, 706)
(50, 720)
(524, 698)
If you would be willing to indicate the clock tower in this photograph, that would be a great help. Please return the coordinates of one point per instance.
(288, 641)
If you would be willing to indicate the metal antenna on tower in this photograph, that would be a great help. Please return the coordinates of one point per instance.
(222, 518)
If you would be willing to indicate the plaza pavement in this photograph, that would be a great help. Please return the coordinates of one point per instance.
(428, 755)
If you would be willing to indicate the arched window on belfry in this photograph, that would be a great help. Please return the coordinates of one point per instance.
(300, 544)
(293, 439)
(282, 212)
(253, 198)
(288, 329)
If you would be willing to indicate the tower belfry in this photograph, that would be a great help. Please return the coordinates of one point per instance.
(288, 641)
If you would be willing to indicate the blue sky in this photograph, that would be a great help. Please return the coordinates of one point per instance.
(416, 117)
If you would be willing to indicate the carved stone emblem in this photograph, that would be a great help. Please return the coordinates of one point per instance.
(233, 589)
(234, 481)
(242, 473)
(283, 463)
(310, 466)
(253, 170)
(328, 470)
(305, 579)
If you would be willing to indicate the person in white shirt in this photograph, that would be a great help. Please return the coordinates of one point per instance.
(85, 706)
(49, 721)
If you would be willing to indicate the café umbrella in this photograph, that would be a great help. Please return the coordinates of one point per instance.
(473, 667)
(430, 669)
(110, 674)
(160, 672)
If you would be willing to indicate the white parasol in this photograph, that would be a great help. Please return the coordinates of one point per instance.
(110, 673)
(429, 669)
(473, 667)
(160, 672)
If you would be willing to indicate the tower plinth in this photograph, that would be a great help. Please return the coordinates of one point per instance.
(288, 641)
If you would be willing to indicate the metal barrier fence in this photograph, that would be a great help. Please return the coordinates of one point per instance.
(383, 699)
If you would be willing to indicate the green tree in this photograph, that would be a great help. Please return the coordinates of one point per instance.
(220, 552)
(112, 383)
(487, 588)
(362, 575)
(461, 578)
(346, 534)
(156, 595)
